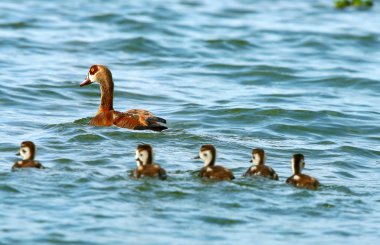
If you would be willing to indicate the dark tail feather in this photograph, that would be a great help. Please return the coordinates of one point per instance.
(162, 174)
(156, 127)
(159, 119)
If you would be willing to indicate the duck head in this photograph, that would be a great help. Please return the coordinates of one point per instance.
(208, 154)
(258, 156)
(298, 163)
(97, 73)
(27, 150)
(144, 155)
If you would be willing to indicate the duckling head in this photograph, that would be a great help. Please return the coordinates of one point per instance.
(258, 156)
(298, 163)
(144, 155)
(27, 150)
(208, 154)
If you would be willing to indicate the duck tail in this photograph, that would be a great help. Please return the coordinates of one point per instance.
(159, 119)
(156, 127)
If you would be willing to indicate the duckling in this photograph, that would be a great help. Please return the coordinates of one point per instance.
(136, 119)
(260, 169)
(298, 179)
(27, 152)
(145, 165)
(211, 171)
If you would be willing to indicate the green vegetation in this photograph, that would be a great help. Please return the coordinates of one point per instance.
(354, 3)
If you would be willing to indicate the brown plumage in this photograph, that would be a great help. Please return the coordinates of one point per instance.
(133, 119)
(145, 165)
(298, 179)
(260, 169)
(27, 152)
(211, 171)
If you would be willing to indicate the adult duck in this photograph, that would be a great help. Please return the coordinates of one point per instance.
(136, 119)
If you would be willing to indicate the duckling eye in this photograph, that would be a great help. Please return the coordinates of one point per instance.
(205, 154)
(23, 151)
(141, 155)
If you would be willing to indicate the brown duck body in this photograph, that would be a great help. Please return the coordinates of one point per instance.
(261, 170)
(133, 119)
(303, 181)
(27, 164)
(150, 170)
(136, 119)
(216, 173)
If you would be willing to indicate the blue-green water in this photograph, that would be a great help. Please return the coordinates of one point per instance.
(287, 76)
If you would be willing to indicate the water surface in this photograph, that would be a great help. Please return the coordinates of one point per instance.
(287, 77)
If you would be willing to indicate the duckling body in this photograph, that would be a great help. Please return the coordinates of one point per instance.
(298, 179)
(145, 165)
(27, 152)
(211, 171)
(260, 169)
(303, 181)
(27, 164)
(136, 119)
(216, 173)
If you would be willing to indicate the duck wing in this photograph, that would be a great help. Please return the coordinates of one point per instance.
(138, 120)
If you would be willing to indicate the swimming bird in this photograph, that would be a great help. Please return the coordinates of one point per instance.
(259, 168)
(211, 171)
(27, 152)
(298, 179)
(133, 119)
(145, 165)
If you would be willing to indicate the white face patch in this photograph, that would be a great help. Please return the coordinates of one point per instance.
(294, 164)
(141, 157)
(296, 177)
(256, 159)
(92, 77)
(137, 158)
(25, 153)
(206, 156)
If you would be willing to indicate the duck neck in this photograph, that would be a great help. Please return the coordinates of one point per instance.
(210, 162)
(296, 167)
(106, 88)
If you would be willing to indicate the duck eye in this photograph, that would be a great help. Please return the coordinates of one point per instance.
(141, 155)
(205, 154)
(23, 151)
